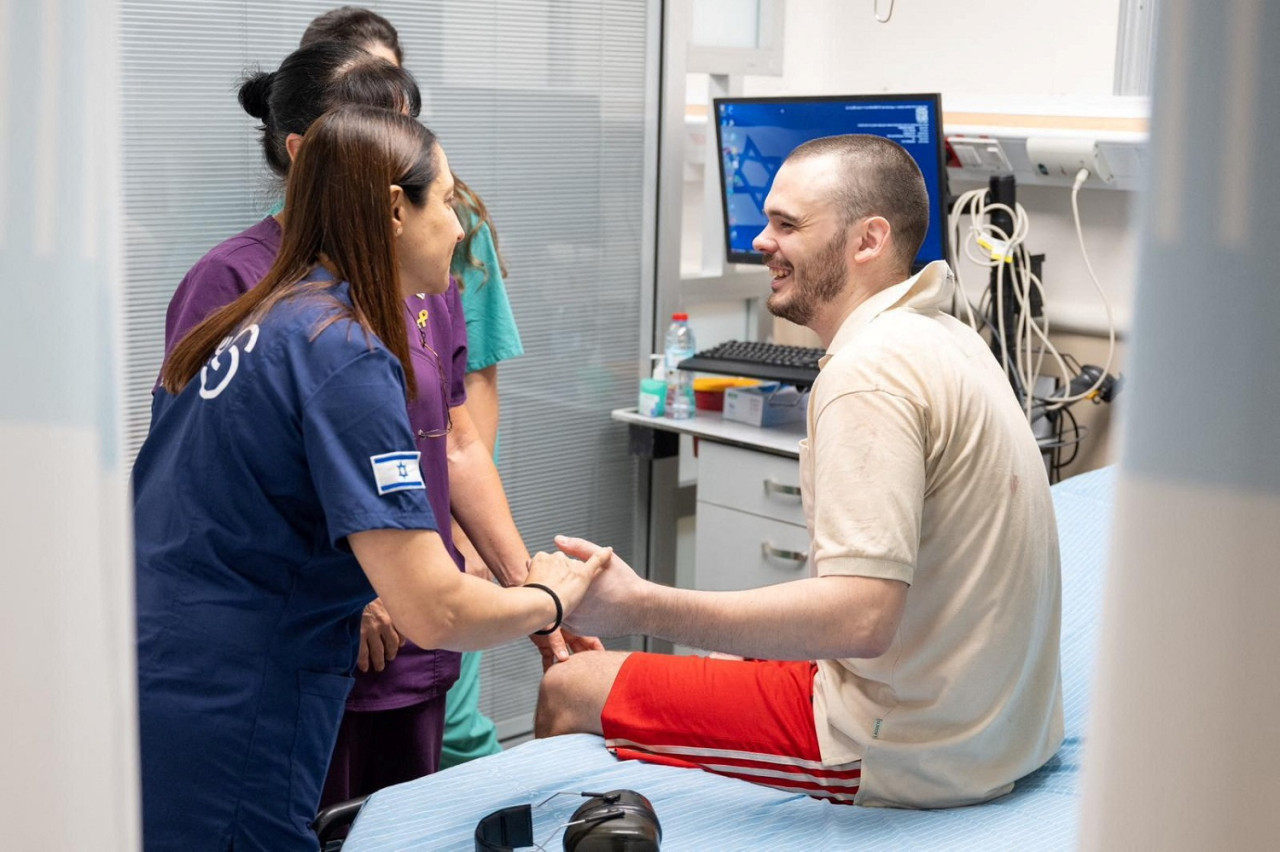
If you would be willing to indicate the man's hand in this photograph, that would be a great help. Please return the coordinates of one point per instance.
(379, 639)
(612, 597)
(557, 647)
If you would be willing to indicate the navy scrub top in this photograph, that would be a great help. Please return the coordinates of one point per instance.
(248, 598)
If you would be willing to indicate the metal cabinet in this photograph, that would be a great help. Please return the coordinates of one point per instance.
(751, 529)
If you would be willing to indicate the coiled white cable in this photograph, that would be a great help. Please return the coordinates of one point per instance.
(1031, 335)
(997, 247)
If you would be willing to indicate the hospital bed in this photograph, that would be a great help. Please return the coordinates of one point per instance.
(701, 811)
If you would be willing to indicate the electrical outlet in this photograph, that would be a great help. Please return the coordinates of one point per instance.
(1064, 158)
(979, 152)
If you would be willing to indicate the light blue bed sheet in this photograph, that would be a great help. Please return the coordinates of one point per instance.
(701, 811)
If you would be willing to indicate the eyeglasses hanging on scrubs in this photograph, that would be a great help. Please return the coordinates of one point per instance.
(421, 321)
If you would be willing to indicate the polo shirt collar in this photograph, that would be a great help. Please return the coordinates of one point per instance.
(927, 290)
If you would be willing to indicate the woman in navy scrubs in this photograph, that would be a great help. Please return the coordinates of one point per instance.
(279, 492)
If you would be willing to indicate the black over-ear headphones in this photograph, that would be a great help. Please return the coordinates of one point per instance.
(617, 821)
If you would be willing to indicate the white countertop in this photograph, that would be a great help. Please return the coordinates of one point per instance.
(783, 440)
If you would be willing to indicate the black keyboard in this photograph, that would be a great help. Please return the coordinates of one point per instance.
(793, 365)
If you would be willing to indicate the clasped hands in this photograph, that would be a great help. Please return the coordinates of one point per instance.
(585, 576)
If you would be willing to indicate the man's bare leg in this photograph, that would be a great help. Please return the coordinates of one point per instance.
(573, 693)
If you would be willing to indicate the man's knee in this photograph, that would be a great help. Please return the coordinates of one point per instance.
(549, 718)
(572, 695)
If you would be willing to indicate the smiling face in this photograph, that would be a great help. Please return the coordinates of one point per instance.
(805, 242)
(426, 234)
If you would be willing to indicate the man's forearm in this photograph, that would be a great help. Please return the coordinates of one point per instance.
(817, 618)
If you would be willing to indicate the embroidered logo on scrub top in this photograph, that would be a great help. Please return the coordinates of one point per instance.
(246, 336)
(397, 472)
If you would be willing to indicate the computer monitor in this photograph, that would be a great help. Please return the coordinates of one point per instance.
(755, 135)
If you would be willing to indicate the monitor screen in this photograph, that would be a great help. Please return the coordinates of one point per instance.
(755, 135)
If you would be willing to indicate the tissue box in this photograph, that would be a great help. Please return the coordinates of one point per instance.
(765, 405)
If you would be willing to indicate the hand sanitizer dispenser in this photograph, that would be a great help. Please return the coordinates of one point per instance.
(653, 391)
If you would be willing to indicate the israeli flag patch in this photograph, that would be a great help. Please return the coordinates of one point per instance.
(397, 472)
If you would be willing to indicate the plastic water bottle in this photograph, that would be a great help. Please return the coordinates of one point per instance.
(679, 346)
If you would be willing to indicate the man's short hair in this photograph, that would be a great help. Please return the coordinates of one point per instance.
(877, 178)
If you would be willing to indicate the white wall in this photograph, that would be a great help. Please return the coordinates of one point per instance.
(999, 48)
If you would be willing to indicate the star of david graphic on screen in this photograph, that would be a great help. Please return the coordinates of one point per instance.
(755, 135)
(753, 173)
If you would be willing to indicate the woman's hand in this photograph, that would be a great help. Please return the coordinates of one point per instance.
(566, 576)
(379, 639)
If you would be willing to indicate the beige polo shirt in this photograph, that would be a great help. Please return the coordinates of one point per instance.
(920, 466)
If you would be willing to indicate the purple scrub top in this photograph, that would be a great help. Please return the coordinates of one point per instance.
(237, 264)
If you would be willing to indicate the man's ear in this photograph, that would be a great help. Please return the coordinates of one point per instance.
(292, 143)
(398, 203)
(871, 239)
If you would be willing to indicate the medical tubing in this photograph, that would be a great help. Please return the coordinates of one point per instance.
(559, 609)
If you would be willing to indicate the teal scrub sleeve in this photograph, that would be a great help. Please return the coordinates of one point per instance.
(492, 335)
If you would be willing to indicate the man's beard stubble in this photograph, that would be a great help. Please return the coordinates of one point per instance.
(815, 284)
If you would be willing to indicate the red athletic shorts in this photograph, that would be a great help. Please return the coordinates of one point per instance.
(746, 719)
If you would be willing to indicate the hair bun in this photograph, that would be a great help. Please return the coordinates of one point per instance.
(255, 94)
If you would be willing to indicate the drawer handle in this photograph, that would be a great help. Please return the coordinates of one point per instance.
(772, 487)
(778, 553)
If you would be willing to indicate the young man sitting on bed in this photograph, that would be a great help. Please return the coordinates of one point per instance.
(933, 613)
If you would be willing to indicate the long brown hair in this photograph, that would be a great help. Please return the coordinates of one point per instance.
(338, 199)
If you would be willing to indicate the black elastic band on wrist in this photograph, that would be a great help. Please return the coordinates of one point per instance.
(559, 610)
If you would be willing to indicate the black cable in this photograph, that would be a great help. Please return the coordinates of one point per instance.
(1076, 434)
(1065, 442)
(1055, 471)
